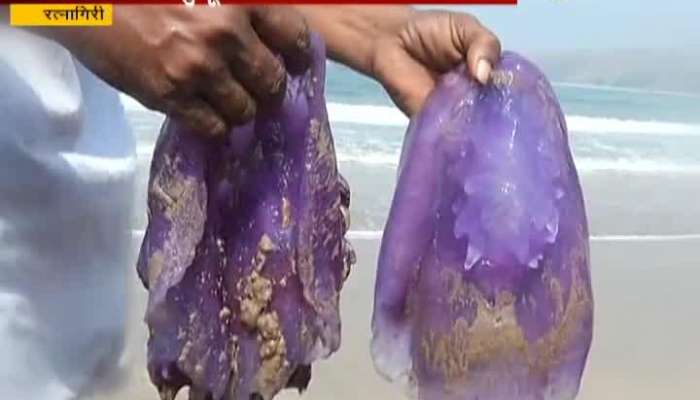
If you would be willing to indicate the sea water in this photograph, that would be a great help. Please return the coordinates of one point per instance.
(628, 133)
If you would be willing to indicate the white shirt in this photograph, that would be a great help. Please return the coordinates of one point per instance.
(67, 162)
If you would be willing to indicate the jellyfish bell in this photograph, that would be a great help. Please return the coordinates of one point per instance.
(245, 253)
(483, 287)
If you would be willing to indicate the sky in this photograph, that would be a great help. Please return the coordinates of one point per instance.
(554, 25)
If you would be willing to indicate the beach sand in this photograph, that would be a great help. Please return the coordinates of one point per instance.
(646, 277)
(646, 343)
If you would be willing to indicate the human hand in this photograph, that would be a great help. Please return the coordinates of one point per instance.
(402, 48)
(204, 66)
(408, 57)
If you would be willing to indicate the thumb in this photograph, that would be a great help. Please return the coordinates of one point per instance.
(480, 46)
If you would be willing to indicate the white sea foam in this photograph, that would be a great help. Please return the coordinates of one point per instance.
(379, 115)
(366, 114)
(624, 89)
(584, 124)
(391, 116)
(391, 159)
(370, 158)
(635, 166)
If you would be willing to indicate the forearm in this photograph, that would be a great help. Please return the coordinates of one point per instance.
(350, 31)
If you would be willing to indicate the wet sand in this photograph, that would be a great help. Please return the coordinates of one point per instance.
(646, 277)
(647, 328)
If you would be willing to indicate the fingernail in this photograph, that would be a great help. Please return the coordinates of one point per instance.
(483, 71)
